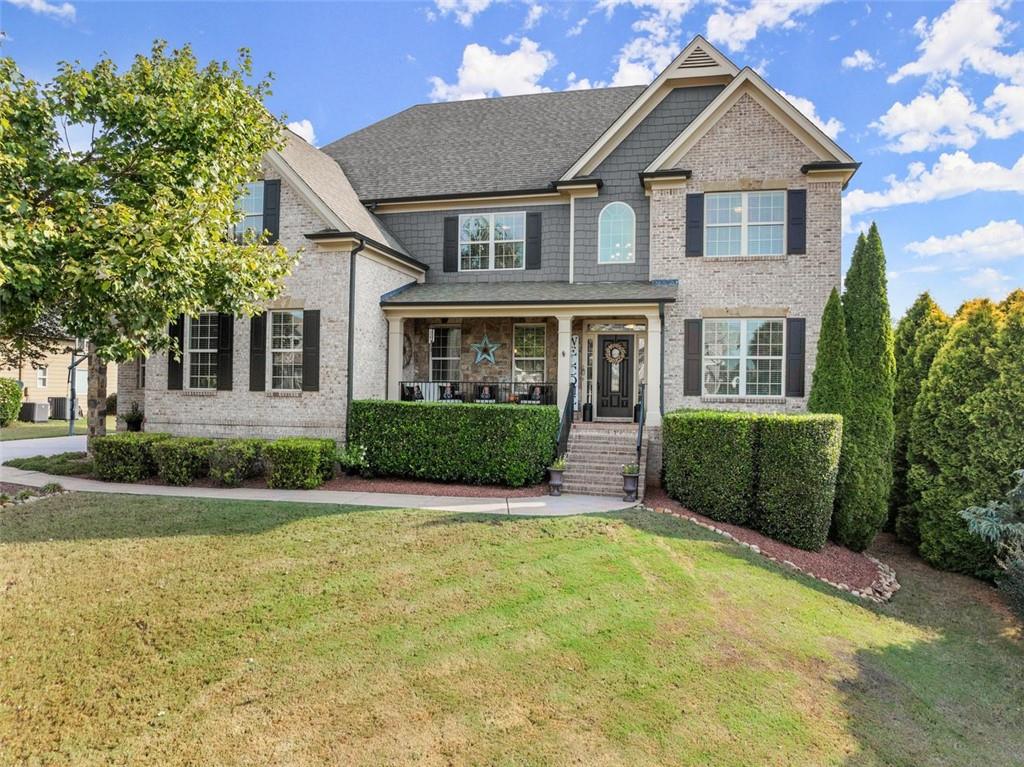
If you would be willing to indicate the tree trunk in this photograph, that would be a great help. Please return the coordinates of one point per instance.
(97, 399)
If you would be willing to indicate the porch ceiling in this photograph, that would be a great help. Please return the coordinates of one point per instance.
(421, 295)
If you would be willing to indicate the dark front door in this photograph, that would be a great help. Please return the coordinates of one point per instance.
(615, 376)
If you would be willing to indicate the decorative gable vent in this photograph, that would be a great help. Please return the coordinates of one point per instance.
(698, 59)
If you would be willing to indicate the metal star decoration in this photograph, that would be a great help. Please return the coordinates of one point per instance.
(484, 350)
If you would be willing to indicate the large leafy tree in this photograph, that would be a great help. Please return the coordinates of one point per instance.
(122, 235)
(918, 336)
(869, 426)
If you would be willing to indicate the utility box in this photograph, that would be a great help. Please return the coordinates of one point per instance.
(34, 412)
(59, 408)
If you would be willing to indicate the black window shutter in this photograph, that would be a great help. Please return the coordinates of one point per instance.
(258, 352)
(176, 330)
(796, 223)
(272, 208)
(225, 350)
(795, 353)
(691, 358)
(533, 240)
(695, 225)
(311, 350)
(451, 243)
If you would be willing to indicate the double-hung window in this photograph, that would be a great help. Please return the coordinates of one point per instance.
(286, 350)
(745, 223)
(492, 241)
(41, 376)
(250, 204)
(140, 372)
(529, 361)
(201, 351)
(743, 358)
(445, 353)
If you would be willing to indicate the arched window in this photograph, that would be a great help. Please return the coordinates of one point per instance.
(616, 234)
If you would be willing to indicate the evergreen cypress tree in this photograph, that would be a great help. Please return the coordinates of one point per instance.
(918, 336)
(941, 479)
(832, 382)
(865, 505)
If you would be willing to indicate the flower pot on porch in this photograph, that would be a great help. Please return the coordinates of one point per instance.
(133, 425)
(588, 412)
(630, 483)
(555, 481)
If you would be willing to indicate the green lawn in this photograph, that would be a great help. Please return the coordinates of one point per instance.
(151, 631)
(22, 430)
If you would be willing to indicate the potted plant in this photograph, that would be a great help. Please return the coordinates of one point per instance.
(555, 475)
(352, 460)
(630, 481)
(134, 417)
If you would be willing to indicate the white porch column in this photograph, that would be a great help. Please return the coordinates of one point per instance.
(395, 342)
(653, 398)
(564, 357)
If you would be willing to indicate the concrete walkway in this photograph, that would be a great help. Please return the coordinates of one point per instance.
(541, 506)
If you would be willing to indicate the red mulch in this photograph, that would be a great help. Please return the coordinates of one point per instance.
(833, 563)
(417, 487)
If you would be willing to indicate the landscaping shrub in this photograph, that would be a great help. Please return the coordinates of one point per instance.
(797, 465)
(352, 459)
(181, 460)
(112, 404)
(298, 462)
(1001, 523)
(75, 464)
(234, 460)
(479, 444)
(10, 400)
(708, 459)
(863, 506)
(125, 457)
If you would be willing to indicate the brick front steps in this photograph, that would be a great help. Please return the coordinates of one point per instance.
(597, 453)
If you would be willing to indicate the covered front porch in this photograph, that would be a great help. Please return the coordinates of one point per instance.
(530, 344)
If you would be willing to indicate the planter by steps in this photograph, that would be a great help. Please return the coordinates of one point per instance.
(555, 477)
(630, 482)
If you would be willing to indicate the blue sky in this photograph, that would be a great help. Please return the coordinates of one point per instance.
(929, 96)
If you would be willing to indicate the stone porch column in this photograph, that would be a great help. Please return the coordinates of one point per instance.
(564, 357)
(396, 339)
(653, 398)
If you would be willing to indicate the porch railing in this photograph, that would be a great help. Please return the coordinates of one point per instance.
(641, 417)
(480, 392)
(565, 425)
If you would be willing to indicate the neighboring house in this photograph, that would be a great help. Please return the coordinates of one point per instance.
(678, 239)
(50, 377)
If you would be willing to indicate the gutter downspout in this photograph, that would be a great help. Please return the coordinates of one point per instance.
(351, 328)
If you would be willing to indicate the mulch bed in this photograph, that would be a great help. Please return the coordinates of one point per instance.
(13, 488)
(833, 564)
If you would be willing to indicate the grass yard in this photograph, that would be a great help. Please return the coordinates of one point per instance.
(152, 631)
(23, 430)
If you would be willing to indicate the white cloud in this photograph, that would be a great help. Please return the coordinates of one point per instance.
(305, 129)
(644, 57)
(485, 73)
(576, 29)
(859, 59)
(464, 11)
(533, 14)
(969, 33)
(832, 126)
(924, 269)
(65, 11)
(995, 241)
(574, 83)
(736, 29)
(991, 282)
(953, 175)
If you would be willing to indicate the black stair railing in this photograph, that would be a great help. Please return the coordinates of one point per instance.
(641, 417)
(565, 425)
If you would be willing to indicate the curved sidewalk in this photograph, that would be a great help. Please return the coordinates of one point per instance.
(540, 506)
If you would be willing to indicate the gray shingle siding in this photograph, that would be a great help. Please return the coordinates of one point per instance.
(422, 233)
(619, 172)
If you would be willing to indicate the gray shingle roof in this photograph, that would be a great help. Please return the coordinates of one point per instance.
(512, 293)
(483, 145)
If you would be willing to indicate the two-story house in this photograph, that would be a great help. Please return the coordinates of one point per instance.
(675, 243)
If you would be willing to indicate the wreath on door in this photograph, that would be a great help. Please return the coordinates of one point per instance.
(615, 353)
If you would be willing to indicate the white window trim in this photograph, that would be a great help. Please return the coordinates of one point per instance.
(236, 231)
(743, 357)
(430, 353)
(490, 249)
(543, 326)
(599, 217)
(744, 225)
(42, 376)
(270, 350)
(187, 356)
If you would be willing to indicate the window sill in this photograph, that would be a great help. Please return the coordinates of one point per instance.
(716, 259)
(745, 400)
(200, 392)
(284, 393)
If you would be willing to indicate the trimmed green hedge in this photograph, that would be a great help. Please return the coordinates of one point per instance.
(708, 459)
(125, 457)
(234, 460)
(507, 445)
(797, 464)
(775, 473)
(10, 400)
(299, 462)
(181, 460)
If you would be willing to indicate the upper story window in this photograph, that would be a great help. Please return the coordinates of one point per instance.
(743, 358)
(492, 241)
(250, 204)
(745, 223)
(616, 234)
(201, 351)
(286, 350)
